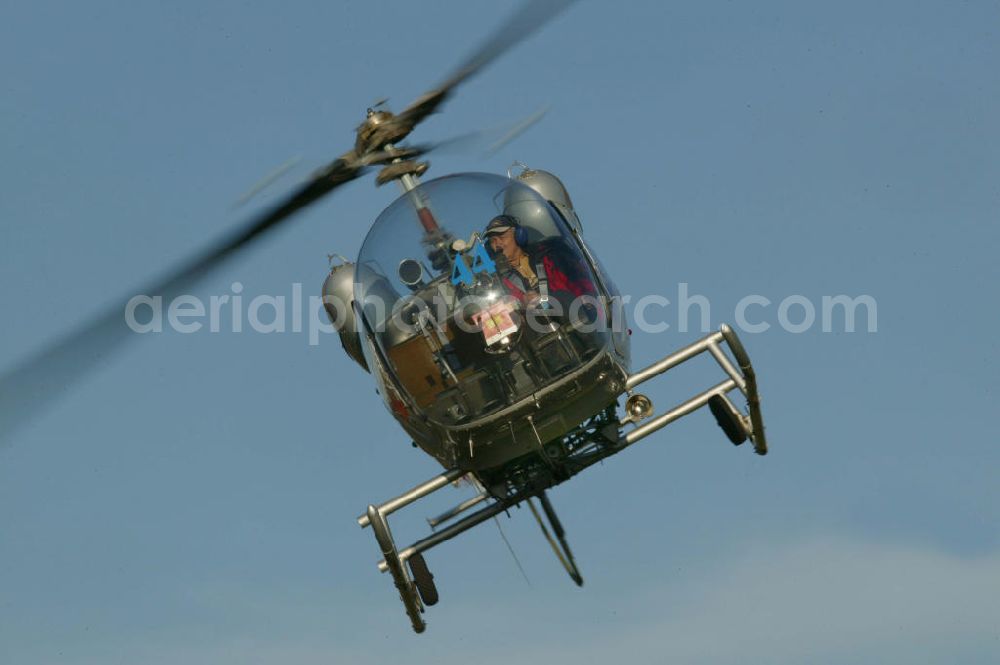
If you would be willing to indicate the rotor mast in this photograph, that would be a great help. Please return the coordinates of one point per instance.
(378, 134)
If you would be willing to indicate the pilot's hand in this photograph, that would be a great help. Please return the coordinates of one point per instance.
(533, 302)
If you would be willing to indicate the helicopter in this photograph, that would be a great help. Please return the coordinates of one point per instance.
(513, 390)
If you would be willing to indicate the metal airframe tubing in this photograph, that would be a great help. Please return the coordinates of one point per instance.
(395, 566)
(420, 491)
(450, 532)
(753, 397)
(720, 357)
(743, 378)
(679, 411)
(672, 360)
(457, 510)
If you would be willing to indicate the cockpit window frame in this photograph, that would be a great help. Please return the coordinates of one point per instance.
(463, 376)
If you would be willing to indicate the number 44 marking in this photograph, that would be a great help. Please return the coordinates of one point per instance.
(481, 262)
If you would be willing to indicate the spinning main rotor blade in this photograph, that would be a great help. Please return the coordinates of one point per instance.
(28, 386)
(32, 383)
(528, 19)
(267, 180)
(485, 142)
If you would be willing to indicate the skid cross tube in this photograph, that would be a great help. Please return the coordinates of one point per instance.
(418, 492)
(679, 411)
(450, 532)
(433, 522)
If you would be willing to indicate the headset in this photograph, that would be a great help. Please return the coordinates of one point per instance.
(520, 233)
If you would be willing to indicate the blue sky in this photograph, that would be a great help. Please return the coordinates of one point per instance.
(194, 498)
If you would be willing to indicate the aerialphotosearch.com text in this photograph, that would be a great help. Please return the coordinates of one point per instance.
(652, 313)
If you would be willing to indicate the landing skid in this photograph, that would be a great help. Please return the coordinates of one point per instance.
(408, 578)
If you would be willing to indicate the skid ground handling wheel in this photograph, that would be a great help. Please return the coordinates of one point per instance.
(423, 579)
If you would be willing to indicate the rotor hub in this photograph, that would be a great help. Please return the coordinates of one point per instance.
(378, 130)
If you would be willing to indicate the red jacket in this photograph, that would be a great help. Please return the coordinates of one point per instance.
(564, 273)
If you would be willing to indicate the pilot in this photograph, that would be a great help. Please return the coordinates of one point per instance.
(526, 268)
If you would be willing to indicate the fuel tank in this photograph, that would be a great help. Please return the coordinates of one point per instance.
(550, 188)
(338, 300)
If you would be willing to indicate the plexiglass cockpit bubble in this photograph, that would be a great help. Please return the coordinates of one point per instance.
(468, 324)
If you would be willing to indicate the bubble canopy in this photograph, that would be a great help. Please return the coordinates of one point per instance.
(464, 328)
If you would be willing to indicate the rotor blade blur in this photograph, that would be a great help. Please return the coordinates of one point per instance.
(267, 180)
(517, 130)
(528, 19)
(484, 141)
(30, 385)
